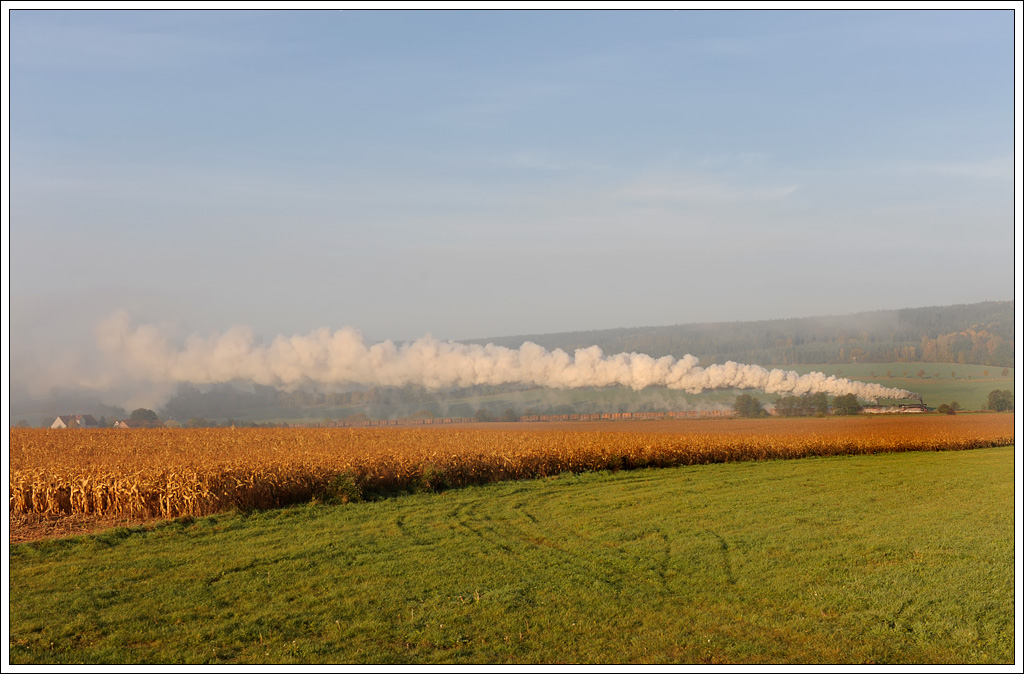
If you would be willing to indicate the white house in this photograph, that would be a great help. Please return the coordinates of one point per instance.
(75, 421)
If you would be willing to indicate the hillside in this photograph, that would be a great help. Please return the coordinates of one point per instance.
(979, 334)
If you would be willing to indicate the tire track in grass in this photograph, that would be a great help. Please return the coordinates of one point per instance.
(725, 557)
(562, 548)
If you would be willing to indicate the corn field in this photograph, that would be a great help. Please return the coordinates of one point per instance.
(166, 473)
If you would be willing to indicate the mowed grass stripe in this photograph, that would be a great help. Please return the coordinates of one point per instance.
(901, 558)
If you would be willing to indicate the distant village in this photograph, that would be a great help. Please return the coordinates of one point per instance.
(87, 421)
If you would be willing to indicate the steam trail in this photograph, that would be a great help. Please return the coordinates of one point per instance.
(342, 357)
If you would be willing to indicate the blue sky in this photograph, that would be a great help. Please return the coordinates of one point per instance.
(477, 174)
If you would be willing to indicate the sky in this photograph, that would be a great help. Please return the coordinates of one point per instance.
(473, 174)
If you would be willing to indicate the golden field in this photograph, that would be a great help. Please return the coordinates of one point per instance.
(165, 473)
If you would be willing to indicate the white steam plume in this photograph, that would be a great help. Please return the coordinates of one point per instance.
(342, 357)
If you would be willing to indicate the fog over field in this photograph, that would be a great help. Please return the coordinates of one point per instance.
(326, 198)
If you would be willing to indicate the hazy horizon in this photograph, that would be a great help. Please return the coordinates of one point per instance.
(476, 174)
(146, 364)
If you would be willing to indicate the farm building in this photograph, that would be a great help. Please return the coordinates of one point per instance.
(75, 421)
(129, 423)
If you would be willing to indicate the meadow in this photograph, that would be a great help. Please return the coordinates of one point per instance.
(941, 383)
(903, 558)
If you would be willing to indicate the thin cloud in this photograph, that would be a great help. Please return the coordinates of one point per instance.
(700, 189)
(541, 160)
(986, 169)
(735, 159)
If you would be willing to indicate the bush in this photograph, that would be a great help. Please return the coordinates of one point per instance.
(343, 489)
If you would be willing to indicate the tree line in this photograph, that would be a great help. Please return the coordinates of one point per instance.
(806, 405)
(820, 404)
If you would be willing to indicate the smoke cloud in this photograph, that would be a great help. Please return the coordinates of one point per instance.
(145, 353)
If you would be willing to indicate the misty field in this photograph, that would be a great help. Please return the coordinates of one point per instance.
(894, 558)
(125, 475)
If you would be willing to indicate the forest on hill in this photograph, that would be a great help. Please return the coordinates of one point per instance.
(977, 334)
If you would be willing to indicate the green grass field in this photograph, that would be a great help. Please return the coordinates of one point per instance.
(897, 558)
(970, 387)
